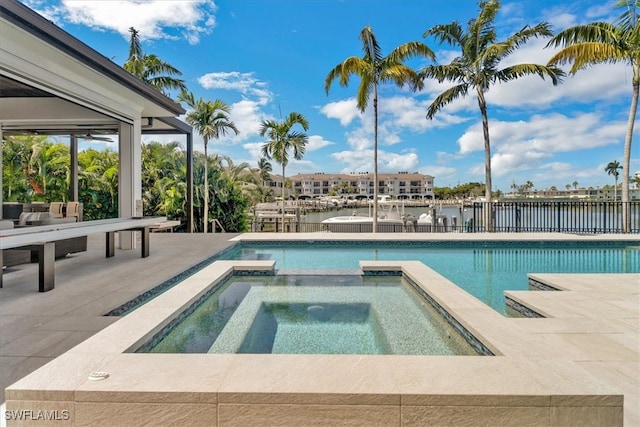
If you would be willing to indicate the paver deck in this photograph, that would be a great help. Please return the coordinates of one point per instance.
(37, 327)
(592, 328)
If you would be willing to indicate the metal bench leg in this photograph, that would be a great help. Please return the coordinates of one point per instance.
(145, 242)
(1, 267)
(111, 243)
(46, 266)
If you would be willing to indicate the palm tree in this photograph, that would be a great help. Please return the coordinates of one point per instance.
(150, 68)
(281, 140)
(373, 70)
(602, 42)
(210, 119)
(575, 185)
(265, 169)
(478, 68)
(612, 168)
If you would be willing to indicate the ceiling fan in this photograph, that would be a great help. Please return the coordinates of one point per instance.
(90, 137)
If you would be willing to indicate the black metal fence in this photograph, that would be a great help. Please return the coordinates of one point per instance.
(511, 217)
(557, 216)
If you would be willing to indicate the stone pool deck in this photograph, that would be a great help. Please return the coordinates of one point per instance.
(571, 368)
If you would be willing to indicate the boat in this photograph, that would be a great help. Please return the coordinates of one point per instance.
(425, 219)
(389, 212)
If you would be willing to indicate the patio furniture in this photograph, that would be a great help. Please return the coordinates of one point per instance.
(41, 240)
(73, 210)
(55, 209)
(64, 247)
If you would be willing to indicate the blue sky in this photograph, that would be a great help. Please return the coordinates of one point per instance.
(267, 58)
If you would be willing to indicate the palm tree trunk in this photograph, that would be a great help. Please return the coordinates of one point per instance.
(487, 211)
(375, 158)
(283, 197)
(205, 215)
(626, 160)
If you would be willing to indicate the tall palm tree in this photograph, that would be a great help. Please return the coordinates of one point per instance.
(602, 42)
(210, 119)
(477, 68)
(612, 168)
(373, 70)
(150, 68)
(281, 140)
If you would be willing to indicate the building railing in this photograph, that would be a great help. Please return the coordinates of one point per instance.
(580, 217)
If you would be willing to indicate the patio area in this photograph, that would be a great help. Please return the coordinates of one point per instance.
(37, 327)
(589, 345)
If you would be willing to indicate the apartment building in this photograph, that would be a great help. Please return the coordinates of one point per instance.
(360, 185)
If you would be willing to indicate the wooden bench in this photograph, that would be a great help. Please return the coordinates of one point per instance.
(41, 241)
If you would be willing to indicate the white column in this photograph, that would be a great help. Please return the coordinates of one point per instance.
(130, 178)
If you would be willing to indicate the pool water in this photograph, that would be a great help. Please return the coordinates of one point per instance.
(483, 270)
(314, 314)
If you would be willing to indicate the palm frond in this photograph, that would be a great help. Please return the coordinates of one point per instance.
(582, 55)
(155, 65)
(410, 50)
(401, 74)
(629, 18)
(447, 97)
(520, 70)
(445, 72)
(481, 31)
(370, 46)
(165, 82)
(602, 32)
(296, 118)
(343, 71)
(452, 33)
(364, 91)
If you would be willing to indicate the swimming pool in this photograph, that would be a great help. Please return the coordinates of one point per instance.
(484, 269)
(297, 314)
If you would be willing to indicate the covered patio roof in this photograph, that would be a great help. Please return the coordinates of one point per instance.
(53, 84)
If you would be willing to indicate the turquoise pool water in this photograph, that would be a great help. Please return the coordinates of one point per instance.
(297, 314)
(484, 271)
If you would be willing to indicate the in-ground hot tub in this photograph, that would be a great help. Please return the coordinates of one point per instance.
(103, 382)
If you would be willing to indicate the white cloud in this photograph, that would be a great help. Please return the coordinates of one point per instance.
(247, 116)
(362, 161)
(345, 111)
(601, 82)
(297, 166)
(440, 173)
(393, 162)
(254, 149)
(360, 139)
(245, 83)
(355, 161)
(317, 142)
(560, 174)
(550, 133)
(503, 164)
(188, 20)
